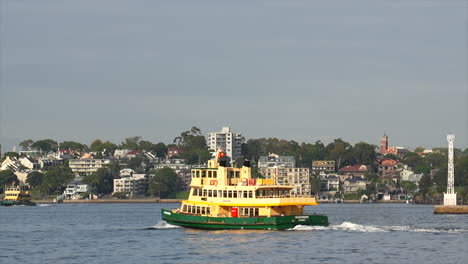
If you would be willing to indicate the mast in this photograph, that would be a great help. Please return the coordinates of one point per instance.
(450, 197)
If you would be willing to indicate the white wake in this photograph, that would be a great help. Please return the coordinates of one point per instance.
(352, 227)
(162, 225)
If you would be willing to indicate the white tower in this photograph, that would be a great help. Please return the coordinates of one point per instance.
(450, 198)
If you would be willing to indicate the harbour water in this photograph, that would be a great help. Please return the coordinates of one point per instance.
(134, 233)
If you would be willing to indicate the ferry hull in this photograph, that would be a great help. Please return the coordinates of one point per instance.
(11, 203)
(252, 223)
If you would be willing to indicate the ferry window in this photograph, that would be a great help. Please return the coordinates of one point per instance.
(195, 192)
(203, 210)
(198, 174)
(184, 208)
(210, 193)
(256, 212)
(204, 193)
(200, 192)
(225, 194)
(203, 174)
(208, 210)
(234, 194)
(198, 209)
(257, 193)
(193, 174)
(215, 174)
(251, 212)
(220, 193)
(231, 174)
(237, 174)
(250, 194)
(215, 193)
(245, 194)
(209, 174)
(189, 209)
(229, 194)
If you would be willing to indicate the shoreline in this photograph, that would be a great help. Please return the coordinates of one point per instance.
(97, 201)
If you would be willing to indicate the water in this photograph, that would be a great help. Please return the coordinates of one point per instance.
(134, 233)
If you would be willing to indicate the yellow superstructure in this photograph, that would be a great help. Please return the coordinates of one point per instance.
(223, 191)
(16, 193)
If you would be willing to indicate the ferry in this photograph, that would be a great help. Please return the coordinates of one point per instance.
(17, 195)
(225, 197)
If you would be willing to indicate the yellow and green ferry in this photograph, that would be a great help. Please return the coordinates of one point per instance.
(224, 197)
(17, 195)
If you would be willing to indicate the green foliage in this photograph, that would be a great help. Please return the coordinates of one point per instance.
(179, 195)
(121, 195)
(419, 149)
(341, 152)
(11, 154)
(102, 181)
(131, 143)
(34, 178)
(45, 145)
(425, 184)
(163, 183)
(107, 147)
(315, 184)
(73, 146)
(55, 179)
(408, 187)
(7, 177)
(26, 144)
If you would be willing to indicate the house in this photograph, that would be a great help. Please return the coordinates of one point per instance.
(330, 183)
(29, 163)
(10, 163)
(388, 168)
(408, 175)
(353, 185)
(326, 166)
(356, 170)
(174, 151)
(126, 172)
(276, 161)
(134, 153)
(75, 190)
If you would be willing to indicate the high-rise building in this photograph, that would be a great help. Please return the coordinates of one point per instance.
(229, 141)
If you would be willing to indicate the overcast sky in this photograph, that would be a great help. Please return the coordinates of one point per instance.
(301, 70)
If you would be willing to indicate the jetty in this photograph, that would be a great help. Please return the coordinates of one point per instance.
(451, 209)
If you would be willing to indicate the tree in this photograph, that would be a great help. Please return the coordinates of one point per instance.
(419, 149)
(107, 147)
(408, 187)
(425, 184)
(55, 179)
(7, 177)
(340, 151)
(102, 181)
(145, 145)
(34, 178)
(26, 144)
(11, 155)
(73, 146)
(160, 150)
(46, 145)
(131, 143)
(364, 153)
(163, 183)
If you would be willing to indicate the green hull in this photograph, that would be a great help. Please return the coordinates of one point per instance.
(273, 223)
(10, 203)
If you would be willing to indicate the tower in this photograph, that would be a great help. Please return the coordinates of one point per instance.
(450, 197)
(383, 144)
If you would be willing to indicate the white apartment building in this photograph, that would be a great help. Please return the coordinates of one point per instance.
(135, 184)
(297, 177)
(229, 141)
(75, 190)
(87, 166)
(276, 161)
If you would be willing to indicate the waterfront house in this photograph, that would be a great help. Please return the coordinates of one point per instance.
(353, 185)
(356, 170)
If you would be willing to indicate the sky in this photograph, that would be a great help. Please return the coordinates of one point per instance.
(291, 69)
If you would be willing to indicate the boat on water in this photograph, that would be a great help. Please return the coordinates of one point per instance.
(17, 195)
(225, 197)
